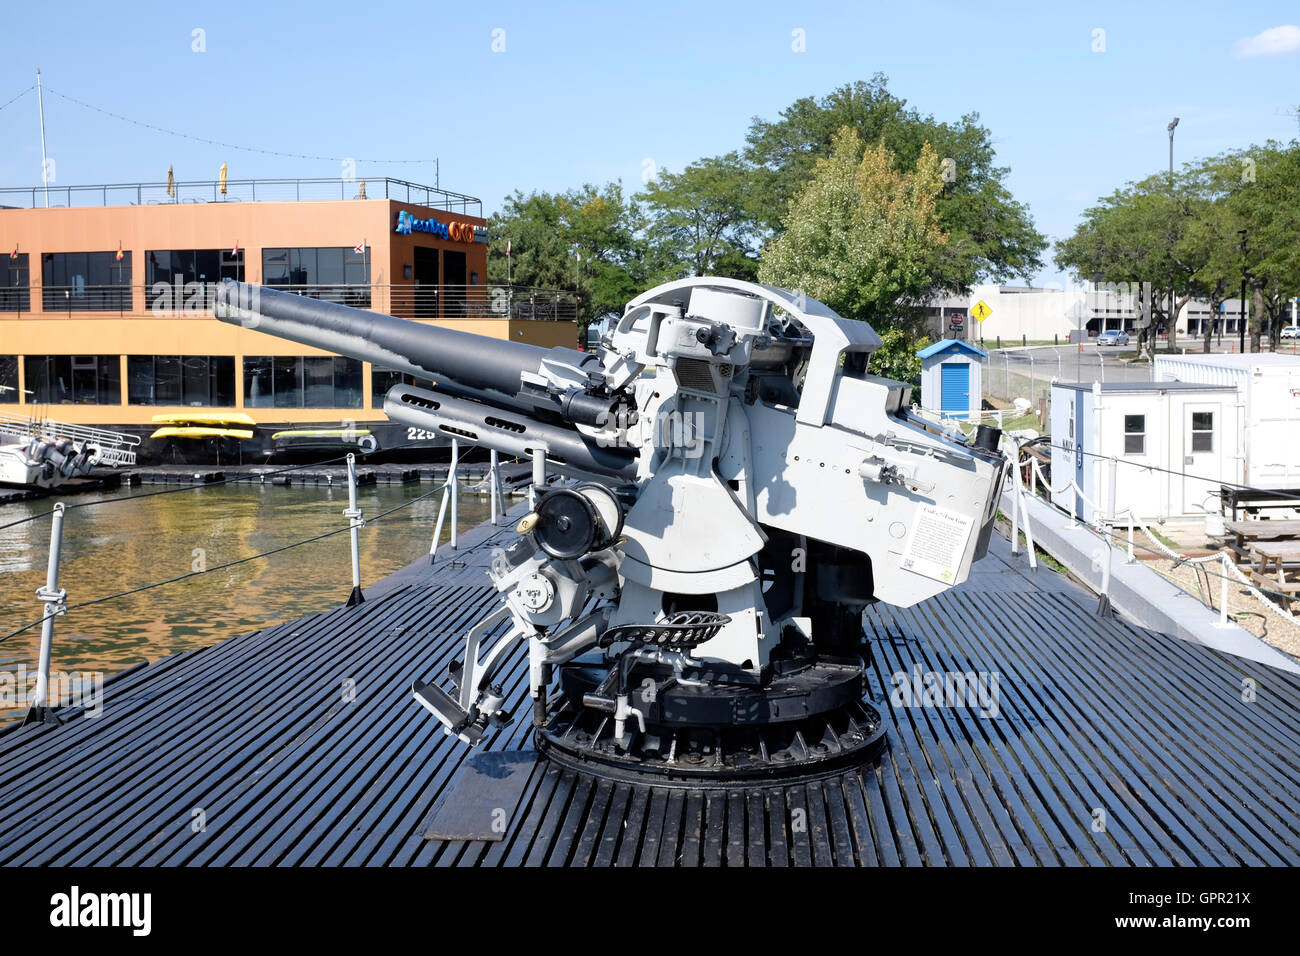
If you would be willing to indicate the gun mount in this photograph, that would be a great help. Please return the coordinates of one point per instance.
(745, 488)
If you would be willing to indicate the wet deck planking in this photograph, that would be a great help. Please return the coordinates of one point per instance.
(1112, 745)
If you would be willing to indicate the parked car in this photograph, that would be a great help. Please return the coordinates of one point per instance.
(1113, 337)
(1291, 332)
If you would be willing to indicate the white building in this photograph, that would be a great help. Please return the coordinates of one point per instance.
(1026, 314)
(1159, 449)
(1268, 388)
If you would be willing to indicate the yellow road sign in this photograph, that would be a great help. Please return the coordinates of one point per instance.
(981, 310)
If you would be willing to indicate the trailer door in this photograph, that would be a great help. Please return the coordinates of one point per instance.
(1202, 455)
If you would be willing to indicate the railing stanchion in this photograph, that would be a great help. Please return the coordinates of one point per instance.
(448, 497)
(1017, 491)
(454, 488)
(53, 599)
(492, 479)
(1223, 595)
(539, 477)
(353, 514)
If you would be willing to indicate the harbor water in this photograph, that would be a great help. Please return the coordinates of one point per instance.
(109, 547)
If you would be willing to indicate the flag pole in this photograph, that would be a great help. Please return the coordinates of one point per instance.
(45, 169)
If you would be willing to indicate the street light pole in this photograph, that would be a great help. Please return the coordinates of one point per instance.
(1241, 321)
(1173, 319)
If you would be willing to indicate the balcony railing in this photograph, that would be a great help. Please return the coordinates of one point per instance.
(238, 190)
(195, 300)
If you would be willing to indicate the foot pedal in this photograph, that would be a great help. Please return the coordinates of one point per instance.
(450, 714)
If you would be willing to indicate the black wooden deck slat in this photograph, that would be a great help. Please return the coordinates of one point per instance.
(614, 826)
(756, 835)
(630, 846)
(1230, 719)
(1068, 781)
(129, 738)
(655, 813)
(1046, 760)
(1185, 763)
(277, 796)
(326, 775)
(377, 830)
(778, 828)
(670, 838)
(1091, 713)
(1060, 774)
(1005, 828)
(1151, 778)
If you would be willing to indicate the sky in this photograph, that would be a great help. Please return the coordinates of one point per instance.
(520, 96)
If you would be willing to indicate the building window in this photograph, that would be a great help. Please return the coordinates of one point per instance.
(1135, 434)
(73, 379)
(197, 380)
(333, 273)
(1202, 431)
(8, 379)
(15, 284)
(382, 379)
(186, 279)
(86, 282)
(289, 381)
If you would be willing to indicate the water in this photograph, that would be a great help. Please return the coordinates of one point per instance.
(113, 547)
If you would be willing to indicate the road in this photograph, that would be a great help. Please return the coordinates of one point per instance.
(1028, 372)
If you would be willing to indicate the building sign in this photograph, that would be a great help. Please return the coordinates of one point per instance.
(455, 231)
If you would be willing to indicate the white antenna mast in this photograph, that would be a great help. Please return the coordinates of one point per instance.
(45, 163)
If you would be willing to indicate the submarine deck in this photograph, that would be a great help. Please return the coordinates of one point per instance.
(1105, 744)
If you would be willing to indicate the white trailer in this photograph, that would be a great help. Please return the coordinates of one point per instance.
(1159, 450)
(1268, 387)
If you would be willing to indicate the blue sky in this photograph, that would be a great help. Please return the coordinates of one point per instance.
(588, 92)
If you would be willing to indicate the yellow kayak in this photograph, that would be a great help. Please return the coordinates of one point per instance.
(173, 431)
(222, 419)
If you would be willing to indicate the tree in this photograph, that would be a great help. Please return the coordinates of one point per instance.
(896, 358)
(699, 221)
(860, 236)
(1222, 219)
(1265, 202)
(585, 240)
(992, 237)
(1141, 234)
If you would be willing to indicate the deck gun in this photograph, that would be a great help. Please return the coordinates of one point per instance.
(739, 488)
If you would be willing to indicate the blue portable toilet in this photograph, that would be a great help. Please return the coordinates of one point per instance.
(950, 378)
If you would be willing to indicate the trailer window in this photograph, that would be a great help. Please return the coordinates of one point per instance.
(1202, 431)
(1135, 434)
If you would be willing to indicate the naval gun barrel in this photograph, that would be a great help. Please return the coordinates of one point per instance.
(461, 363)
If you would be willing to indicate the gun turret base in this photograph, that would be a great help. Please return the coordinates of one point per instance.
(684, 755)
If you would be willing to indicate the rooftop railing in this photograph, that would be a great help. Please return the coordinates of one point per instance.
(238, 190)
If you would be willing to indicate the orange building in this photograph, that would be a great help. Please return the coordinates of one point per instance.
(105, 296)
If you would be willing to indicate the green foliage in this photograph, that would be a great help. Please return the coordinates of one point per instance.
(1200, 233)
(860, 236)
(698, 219)
(991, 236)
(896, 358)
(584, 240)
(714, 216)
